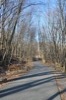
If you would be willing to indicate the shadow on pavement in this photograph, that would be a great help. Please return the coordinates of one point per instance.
(32, 75)
(38, 74)
(32, 84)
(23, 87)
(56, 94)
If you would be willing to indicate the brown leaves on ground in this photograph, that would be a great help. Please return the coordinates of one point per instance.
(16, 70)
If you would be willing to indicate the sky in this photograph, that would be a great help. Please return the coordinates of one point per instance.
(41, 8)
(39, 16)
(40, 12)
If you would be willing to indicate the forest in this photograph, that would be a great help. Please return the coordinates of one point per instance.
(31, 26)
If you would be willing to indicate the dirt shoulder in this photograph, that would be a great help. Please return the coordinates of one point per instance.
(60, 79)
(61, 83)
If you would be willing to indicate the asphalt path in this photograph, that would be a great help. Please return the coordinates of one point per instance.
(38, 84)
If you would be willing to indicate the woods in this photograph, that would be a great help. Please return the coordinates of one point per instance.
(15, 42)
(18, 31)
(53, 36)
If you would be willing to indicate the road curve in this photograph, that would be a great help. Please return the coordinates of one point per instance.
(38, 84)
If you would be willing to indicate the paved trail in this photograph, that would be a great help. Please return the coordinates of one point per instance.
(38, 84)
